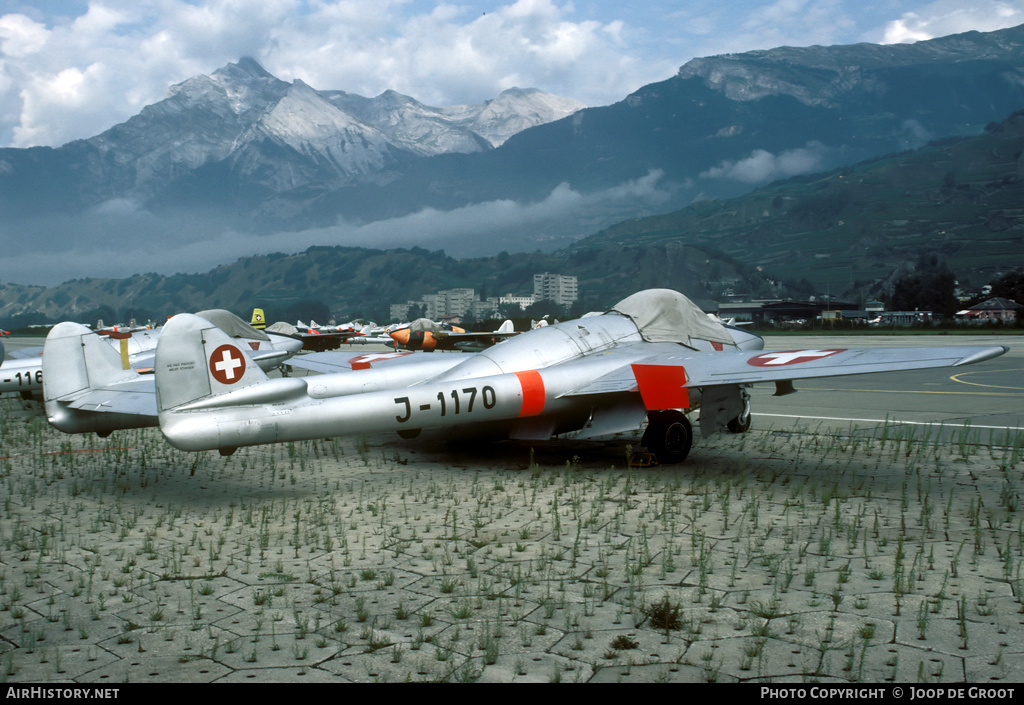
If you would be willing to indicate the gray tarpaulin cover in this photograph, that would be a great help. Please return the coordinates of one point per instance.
(423, 325)
(666, 316)
(232, 324)
(282, 328)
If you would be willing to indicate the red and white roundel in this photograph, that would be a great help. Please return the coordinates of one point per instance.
(791, 357)
(227, 364)
(364, 362)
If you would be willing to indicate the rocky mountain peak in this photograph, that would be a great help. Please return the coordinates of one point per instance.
(815, 75)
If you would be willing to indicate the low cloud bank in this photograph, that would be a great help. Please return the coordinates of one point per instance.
(762, 166)
(118, 239)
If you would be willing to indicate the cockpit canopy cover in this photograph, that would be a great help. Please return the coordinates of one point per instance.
(422, 325)
(666, 316)
(231, 324)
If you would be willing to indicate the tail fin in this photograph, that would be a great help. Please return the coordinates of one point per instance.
(87, 387)
(196, 360)
(506, 327)
(208, 391)
(76, 359)
(259, 321)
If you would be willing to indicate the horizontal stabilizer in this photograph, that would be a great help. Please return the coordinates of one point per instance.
(273, 391)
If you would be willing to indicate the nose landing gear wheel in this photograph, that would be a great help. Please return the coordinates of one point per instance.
(669, 436)
(741, 424)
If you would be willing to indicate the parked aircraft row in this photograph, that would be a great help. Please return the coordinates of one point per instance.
(138, 343)
(647, 364)
(137, 350)
(317, 338)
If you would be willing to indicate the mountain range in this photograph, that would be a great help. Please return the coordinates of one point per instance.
(851, 232)
(240, 162)
(273, 136)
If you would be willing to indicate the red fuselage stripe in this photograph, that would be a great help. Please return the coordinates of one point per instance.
(533, 392)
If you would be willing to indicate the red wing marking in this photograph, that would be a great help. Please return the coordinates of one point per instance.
(533, 392)
(227, 364)
(661, 386)
(791, 357)
(364, 362)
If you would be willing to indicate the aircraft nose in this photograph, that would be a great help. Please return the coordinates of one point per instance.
(293, 346)
(400, 336)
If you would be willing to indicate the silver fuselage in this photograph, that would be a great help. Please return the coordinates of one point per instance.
(521, 385)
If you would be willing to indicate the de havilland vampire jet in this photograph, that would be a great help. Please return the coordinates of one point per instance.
(654, 358)
(424, 334)
(96, 388)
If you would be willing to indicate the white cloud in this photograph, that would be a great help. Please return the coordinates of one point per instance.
(20, 36)
(730, 26)
(944, 17)
(74, 77)
(762, 166)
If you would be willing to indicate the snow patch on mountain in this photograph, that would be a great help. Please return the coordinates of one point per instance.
(240, 112)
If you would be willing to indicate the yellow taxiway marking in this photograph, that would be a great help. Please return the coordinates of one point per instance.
(956, 378)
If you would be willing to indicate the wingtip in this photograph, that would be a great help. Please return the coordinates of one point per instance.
(982, 355)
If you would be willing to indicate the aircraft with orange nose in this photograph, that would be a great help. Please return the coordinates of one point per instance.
(424, 334)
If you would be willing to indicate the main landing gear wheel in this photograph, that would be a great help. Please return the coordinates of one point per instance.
(669, 436)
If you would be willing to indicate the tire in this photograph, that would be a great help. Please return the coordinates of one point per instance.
(737, 426)
(669, 436)
(741, 424)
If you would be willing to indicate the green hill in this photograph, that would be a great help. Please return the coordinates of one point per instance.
(852, 229)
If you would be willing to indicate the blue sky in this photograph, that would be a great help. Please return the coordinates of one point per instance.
(73, 68)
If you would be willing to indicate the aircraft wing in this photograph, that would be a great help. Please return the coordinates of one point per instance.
(470, 342)
(663, 374)
(319, 342)
(136, 397)
(26, 353)
(768, 366)
(338, 361)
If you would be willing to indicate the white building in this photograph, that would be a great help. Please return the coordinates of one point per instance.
(463, 302)
(561, 289)
(453, 302)
(522, 301)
